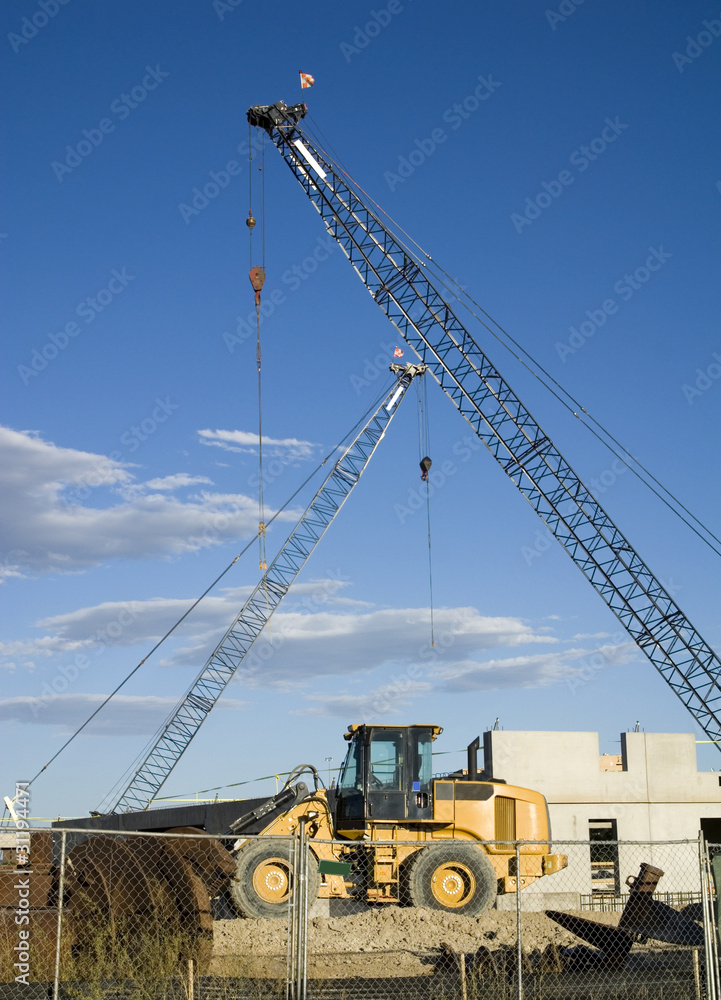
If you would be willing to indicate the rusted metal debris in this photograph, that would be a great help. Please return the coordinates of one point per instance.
(643, 917)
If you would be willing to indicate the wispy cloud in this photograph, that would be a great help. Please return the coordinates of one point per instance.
(379, 660)
(125, 715)
(144, 622)
(247, 441)
(175, 482)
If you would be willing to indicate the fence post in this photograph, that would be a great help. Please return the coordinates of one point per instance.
(710, 929)
(61, 889)
(292, 923)
(300, 895)
(519, 932)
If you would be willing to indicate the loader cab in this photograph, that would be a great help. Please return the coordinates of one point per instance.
(386, 775)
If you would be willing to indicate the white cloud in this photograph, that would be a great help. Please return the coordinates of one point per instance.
(133, 623)
(384, 653)
(175, 482)
(47, 528)
(125, 715)
(247, 441)
(329, 644)
(537, 670)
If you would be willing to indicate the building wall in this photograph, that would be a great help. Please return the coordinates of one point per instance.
(658, 795)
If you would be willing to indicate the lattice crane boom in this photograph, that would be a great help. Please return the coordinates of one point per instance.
(400, 284)
(228, 655)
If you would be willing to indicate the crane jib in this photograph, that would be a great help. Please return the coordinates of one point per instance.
(401, 285)
(223, 663)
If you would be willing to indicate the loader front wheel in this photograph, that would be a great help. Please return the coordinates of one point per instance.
(458, 878)
(265, 880)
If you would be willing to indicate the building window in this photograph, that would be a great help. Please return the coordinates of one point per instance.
(605, 879)
(711, 830)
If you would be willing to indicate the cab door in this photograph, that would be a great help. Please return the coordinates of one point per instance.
(420, 774)
(386, 774)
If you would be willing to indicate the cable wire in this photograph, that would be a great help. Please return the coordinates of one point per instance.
(424, 446)
(220, 576)
(629, 460)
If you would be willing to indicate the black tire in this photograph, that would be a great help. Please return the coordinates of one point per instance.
(457, 878)
(264, 880)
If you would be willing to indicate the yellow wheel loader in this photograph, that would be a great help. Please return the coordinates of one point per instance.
(392, 833)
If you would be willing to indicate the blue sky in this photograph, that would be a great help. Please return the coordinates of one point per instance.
(130, 428)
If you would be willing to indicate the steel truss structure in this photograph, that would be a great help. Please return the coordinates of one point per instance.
(399, 283)
(228, 655)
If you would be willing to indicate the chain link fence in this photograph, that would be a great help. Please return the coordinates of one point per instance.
(188, 915)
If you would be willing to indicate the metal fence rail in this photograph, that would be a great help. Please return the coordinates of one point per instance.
(106, 916)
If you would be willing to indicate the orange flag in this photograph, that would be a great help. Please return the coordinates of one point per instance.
(398, 353)
(306, 80)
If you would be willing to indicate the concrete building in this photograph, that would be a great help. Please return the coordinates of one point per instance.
(649, 793)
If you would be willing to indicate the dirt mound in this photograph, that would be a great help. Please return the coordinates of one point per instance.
(363, 943)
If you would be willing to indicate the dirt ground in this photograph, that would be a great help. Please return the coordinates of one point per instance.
(390, 941)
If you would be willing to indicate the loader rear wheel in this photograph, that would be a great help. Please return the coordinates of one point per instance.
(458, 878)
(264, 880)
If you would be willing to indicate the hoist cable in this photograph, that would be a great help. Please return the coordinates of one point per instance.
(423, 442)
(261, 501)
(632, 463)
(374, 405)
(250, 195)
(261, 504)
(426, 448)
(261, 173)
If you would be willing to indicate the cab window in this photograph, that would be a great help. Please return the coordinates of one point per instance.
(386, 762)
(350, 776)
(424, 762)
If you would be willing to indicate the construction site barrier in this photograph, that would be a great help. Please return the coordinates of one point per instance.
(108, 916)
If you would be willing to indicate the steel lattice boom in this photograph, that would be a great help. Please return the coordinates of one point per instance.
(192, 711)
(400, 284)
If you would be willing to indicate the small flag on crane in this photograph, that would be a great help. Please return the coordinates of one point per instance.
(306, 80)
(398, 353)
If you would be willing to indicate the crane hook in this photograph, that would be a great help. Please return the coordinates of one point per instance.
(257, 278)
(425, 468)
(250, 221)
